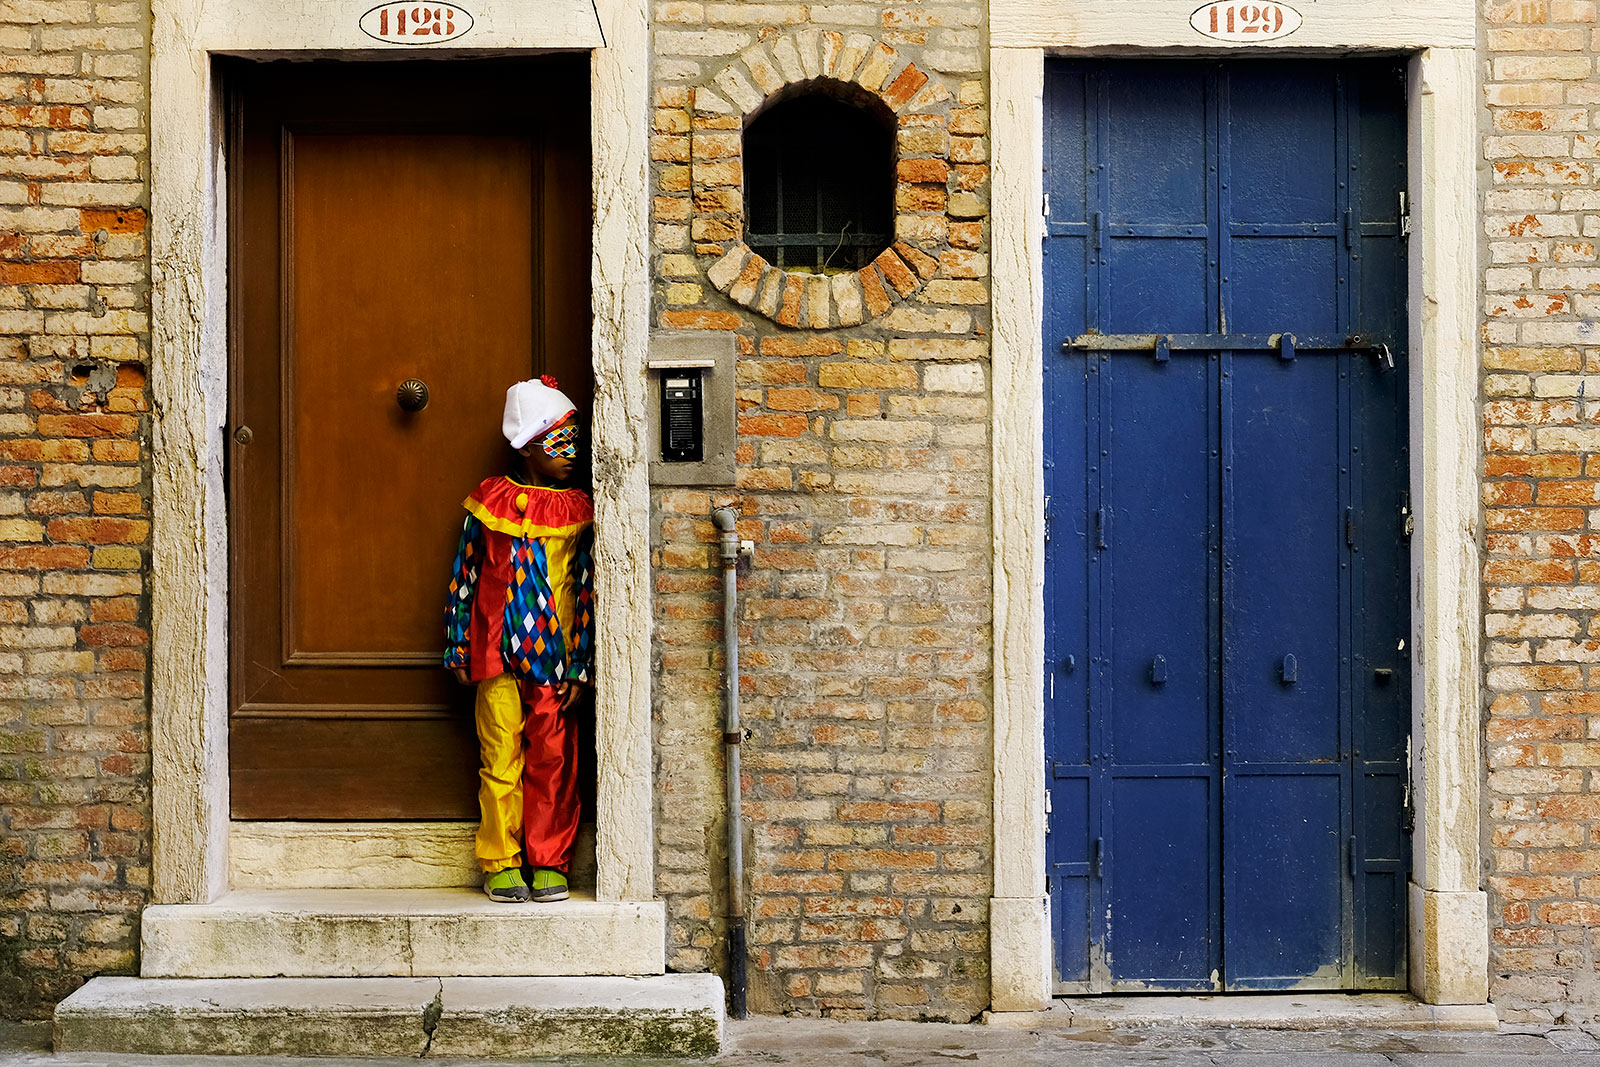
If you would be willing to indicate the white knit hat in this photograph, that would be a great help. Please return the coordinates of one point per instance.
(532, 407)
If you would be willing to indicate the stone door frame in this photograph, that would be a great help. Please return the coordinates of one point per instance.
(189, 566)
(1448, 917)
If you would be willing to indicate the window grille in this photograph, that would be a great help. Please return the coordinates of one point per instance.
(819, 185)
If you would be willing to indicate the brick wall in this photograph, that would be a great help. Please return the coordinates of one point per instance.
(1542, 505)
(863, 481)
(74, 736)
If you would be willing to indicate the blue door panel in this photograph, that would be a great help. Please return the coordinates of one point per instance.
(1162, 890)
(1271, 107)
(1157, 285)
(1067, 146)
(1227, 682)
(1074, 810)
(1072, 823)
(1283, 549)
(1153, 207)
(1377, 161)
(1381, 664)
(1158, 535)
(1156, 158)
(1282, 886)
(1278, 281)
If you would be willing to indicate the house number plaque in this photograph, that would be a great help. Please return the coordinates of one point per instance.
(1234, 20)
(415, 23)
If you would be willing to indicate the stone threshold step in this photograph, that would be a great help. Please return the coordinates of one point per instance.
(384, 933)
(1267, 1011)
(662, 1015)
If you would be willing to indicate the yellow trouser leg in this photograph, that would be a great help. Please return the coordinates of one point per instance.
(499, 716)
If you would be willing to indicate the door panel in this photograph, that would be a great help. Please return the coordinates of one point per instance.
(1156, 685)
(1282, 891)
(1283, 565)
(423, 303)
(379, 235)
(1154, 206)
(1162, 885)
(1157, 533)
(1226, 547)
(1076, 807)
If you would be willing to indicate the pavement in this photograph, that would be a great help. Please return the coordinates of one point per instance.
(772, 1042)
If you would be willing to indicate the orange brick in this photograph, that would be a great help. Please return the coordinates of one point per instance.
(53, 272)
(773, 425)
(923, 170)
(113, 220)
(700, 320)
(1519, 571)
(87, 425)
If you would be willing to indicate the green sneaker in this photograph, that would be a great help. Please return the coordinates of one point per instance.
(506, 886)
(549, 885)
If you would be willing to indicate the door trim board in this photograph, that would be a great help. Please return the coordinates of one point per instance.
(190, 358)
(1449, 928)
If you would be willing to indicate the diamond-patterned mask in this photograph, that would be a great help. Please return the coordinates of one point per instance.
(561, 443)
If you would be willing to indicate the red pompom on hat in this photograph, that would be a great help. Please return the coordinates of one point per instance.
(532, 407)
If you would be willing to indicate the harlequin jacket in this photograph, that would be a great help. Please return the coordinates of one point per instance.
(522, 591)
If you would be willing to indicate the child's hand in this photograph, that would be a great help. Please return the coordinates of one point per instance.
(569, 693)
(460, 675)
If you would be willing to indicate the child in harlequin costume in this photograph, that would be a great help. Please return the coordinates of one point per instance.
(520, 626)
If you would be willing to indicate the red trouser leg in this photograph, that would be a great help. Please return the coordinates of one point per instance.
(549, 780)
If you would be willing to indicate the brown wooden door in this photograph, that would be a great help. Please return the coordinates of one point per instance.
(388, 221)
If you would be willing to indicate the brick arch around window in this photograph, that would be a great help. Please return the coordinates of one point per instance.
(843, 65)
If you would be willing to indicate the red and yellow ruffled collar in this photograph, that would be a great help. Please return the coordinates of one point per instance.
(509, 507)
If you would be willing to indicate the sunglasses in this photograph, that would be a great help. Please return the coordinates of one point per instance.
(561, 443)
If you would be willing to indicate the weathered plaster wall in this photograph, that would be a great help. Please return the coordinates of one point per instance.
(74, 495)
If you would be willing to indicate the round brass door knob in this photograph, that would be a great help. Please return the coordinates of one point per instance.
(412, 394)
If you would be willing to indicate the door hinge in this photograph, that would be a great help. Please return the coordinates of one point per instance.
(1046, 205)
(1047, 519)
(1100, 528)
(1405, 215)
(1351, 845)
(1408, 521)
(1099, 857)
(1350, 527)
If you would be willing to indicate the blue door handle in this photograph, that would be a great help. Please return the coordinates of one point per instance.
(1289, 670)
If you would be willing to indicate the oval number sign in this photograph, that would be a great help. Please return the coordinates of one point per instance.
(415, 23)
(1233, 20)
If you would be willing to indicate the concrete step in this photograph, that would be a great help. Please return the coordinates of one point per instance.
(381, 933)
(1261, 1011)
(499, 1018)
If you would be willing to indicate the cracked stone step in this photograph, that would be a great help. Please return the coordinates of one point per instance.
(659, 1015)
(383, 933)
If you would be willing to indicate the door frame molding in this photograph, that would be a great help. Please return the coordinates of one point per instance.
(1448, 911)
(189, 356)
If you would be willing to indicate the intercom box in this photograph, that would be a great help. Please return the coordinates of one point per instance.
(693, 400)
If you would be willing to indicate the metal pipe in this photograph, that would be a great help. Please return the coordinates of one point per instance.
(726, 521)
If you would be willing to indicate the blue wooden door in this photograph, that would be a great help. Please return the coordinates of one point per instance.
(1227, 699)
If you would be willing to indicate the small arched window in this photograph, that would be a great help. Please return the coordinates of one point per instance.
(819, 184)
